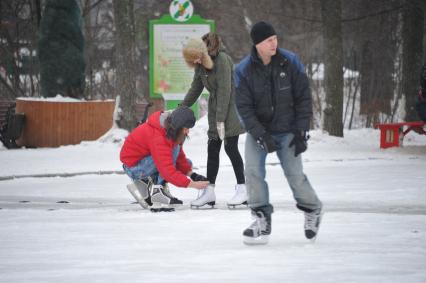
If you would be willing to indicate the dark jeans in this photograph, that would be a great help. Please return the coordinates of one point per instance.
(231, 149)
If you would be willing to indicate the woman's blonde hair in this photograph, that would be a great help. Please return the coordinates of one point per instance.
(195, 49)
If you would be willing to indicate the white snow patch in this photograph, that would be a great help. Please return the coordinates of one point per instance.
(58, 98)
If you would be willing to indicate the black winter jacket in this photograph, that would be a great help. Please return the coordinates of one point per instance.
(275, 104)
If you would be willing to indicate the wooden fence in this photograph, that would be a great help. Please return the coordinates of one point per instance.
(56, 123)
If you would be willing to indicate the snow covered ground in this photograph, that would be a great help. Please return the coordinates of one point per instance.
(84, 228)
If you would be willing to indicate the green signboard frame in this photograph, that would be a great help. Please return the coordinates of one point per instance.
(169, 76)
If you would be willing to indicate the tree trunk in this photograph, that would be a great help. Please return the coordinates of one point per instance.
(38, 11)
(353, 104)
(333, 66)
(349, 86)
(125, 84)
(412, 35)
(88, 47)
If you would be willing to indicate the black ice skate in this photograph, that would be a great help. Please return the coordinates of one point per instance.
(140, 191)
(174, 201)
(259, 231)
(312, 223)
(161, 198)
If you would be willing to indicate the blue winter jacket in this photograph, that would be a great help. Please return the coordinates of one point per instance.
(275, 104)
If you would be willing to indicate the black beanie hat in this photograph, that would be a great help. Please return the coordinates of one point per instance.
(182, 117)
(261, 31)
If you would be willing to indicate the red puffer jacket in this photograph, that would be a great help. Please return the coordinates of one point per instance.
(150, 139)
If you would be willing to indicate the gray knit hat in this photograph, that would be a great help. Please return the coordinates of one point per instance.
(182, 117)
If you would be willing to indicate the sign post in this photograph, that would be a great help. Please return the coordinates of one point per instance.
(170, 77)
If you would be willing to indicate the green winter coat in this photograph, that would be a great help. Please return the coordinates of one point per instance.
(221, 105)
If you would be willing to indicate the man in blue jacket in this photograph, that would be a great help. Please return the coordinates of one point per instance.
(274, 103)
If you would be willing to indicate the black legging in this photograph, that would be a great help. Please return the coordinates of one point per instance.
(231, 149)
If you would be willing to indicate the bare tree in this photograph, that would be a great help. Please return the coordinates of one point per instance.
(333, 66)
(18, 33)
(88, 45)
(413, 26)
(370, 33)
(125, 54)
(371, 37)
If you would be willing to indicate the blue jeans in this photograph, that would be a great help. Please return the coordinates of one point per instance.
(257, 188)
(146, 168)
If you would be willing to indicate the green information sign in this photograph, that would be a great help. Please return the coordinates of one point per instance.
(170, 77)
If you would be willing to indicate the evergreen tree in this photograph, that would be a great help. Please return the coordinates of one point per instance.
(60, 49)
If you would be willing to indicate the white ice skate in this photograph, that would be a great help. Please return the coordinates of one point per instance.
(207, 197)
(140, 191)
(240, 196)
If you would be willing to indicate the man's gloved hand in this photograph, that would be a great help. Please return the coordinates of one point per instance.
(268, 143)
(221, 129)
(197, 177)
(299, 140)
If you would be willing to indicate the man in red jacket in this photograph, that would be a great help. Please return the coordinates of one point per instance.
(152, 155)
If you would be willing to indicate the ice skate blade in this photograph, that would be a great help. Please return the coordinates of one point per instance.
(211, 204)
(160, 205)
(313, 239)
(162, 209)
(261, 240)
(243, 205)
(156, 204)
(137, 196)
(177, 205)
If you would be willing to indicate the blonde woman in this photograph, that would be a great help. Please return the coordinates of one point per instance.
(214, 71)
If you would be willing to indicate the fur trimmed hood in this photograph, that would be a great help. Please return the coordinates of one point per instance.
(196, 49)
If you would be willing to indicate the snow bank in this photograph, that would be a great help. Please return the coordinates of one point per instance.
(58, 98)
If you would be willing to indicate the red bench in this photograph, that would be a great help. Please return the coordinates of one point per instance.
(393, 134)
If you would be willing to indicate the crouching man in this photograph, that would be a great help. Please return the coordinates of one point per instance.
(152, 156)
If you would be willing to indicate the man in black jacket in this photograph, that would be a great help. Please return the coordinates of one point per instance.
(275, 105)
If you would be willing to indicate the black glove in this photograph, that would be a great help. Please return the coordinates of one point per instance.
(268, 143)
(196, 177)
(299, 141)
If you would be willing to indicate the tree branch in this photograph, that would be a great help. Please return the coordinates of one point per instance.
(87, 10)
